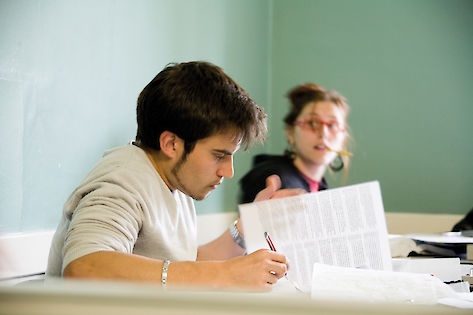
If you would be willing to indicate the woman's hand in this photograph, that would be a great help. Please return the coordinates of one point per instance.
(272, 190)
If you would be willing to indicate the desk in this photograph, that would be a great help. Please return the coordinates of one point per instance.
(88, 297)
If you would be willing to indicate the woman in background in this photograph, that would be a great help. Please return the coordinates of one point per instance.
(317, 134)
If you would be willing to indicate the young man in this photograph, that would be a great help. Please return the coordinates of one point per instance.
(133, 216)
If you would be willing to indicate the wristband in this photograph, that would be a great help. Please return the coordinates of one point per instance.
(236, 234)
(164, 273)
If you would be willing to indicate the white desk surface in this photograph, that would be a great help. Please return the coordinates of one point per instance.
(89, 297)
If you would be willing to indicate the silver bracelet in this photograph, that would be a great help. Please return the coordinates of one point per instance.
(236, 234)
(164, 273)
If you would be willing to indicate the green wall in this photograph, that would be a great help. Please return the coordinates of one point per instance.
(406, 68)
(70, 72)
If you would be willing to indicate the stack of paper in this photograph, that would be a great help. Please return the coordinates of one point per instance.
(402, 246)
(450, 244)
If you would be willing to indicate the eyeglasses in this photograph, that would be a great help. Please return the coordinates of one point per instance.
(314, 125)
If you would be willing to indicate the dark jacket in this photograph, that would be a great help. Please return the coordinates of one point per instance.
(465, 223)
(265, 165)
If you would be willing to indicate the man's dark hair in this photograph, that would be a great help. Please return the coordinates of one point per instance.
(196, 100)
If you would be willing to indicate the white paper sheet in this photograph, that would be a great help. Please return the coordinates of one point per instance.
(446, 269)
(351, 284)
(342, 226)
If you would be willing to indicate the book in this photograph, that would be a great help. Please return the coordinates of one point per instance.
(448, 244)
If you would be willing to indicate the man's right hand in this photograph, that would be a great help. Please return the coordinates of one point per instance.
(258, 270)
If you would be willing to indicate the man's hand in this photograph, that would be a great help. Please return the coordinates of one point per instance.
(258, 270)
(272, 190)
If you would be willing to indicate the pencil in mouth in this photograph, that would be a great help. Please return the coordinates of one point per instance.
(341, 152)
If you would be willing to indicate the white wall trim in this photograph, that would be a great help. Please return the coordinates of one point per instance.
(24, 254)
(407, 223)
(211, 226)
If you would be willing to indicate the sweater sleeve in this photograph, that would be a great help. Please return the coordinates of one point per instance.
(107, 217)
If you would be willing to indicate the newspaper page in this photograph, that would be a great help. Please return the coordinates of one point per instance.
(342, 227)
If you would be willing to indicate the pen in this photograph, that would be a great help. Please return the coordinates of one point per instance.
(341, 152)
(271, 246)
(269, 241)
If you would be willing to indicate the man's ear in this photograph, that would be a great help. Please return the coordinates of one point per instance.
(167, 142)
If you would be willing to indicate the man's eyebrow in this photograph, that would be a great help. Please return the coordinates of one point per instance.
(222, 151)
